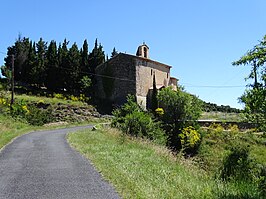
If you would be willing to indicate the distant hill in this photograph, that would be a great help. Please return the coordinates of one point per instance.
(208, 107)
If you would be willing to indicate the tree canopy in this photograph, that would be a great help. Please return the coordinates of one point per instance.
(254, 97)
(181, 110)
(55, 66)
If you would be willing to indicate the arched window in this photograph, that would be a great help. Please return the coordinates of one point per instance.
(145, 52)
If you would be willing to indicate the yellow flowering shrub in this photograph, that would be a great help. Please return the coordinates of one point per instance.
(58, 96)
(40, 102)
(2, 101)
(74, 98)
(159, 111)
(216, 128)
(81, 97)
(25, 109)
(189, 137)
(233, 128)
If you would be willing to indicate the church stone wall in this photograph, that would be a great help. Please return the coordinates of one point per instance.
(145, 70)
(127, 74)
(122, 69)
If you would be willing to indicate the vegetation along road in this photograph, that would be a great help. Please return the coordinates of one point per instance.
(43, 165)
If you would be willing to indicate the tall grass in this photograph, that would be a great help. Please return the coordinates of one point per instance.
(47, 100)
(141, 169)
(10, 128)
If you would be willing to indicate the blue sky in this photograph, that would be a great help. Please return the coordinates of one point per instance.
(200, 39)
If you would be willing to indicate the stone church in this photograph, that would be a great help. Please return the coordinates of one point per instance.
(126, 74)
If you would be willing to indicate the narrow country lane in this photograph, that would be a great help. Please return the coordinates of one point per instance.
(42, 165)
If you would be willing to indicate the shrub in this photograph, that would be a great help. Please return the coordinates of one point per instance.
(132, 120)
(181, 109)
(129, 107)
(140, 124)
(159, 112)
(58, 96)
(233, 128)
(262, 181)
(19, 109)
(39, 116)
(237, 165)
(216, 128)
(190, 140)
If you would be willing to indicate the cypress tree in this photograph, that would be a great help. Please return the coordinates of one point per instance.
(20, 51)
(96, 57)
(63, 63)
(85, 56)
(74, 68)
(114, 53)
(52, 82)
(154, 100)
(39, 71)
(31, 62)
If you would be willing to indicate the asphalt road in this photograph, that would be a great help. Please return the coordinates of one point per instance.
(43, 165)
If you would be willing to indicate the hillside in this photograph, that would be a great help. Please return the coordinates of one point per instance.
(141, 169)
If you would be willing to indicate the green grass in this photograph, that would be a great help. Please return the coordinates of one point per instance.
(215, 146)
(219, 116)
(10, 129)
(141, 169)
(47, 100)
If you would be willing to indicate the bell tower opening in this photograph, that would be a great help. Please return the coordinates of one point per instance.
(143, 51)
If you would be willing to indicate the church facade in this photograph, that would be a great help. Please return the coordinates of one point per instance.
(132, 74)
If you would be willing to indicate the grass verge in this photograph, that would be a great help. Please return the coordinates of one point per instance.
(141, 169)
(11, 128)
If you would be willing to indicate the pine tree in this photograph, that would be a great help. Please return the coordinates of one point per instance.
(6, 71)
(154, 100)
(39, 71)
(22, 46)
(20, 51)
(52, 82)
(114, 52)
(85, 56)
(63, 63)
(31, 62)
(74, 69)
(96, 57)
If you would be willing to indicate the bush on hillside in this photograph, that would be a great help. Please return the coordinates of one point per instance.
(132, 120)
(262, 181)
(120, 113)
(140, 124)
(190, 140)
(38, 116)
(181, 110)
(237, 165)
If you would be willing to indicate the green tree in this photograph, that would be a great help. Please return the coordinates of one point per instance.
(39, 71)
(85, 84)
(96, 57)
(181, 110)
(85, 56)
(63, 63)
(31, 62)
(20, 51)
(52, 67)
(256, 58)
(254, 97)
(114, 53)
(74, 69)
(154, 100)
